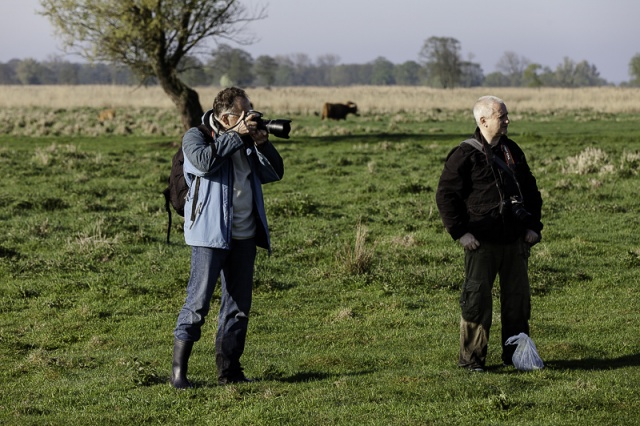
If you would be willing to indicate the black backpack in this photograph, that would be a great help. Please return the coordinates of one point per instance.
(176, 193)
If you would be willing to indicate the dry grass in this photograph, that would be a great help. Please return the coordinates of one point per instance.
(590, 160)
(125, 110)
(309, 100)
(356, 260)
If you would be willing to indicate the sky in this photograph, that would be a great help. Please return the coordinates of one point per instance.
(603, 32)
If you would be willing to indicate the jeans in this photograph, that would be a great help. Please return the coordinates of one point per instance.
(235, 269)
(510, 262)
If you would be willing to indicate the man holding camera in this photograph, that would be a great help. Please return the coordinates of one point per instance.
(489, 201)
(226, 160)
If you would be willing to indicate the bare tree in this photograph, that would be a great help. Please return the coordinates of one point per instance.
(634, 69)
(530, 76)
(235, 65)
(265, 68)
(151, 37)
(441, 56)
(513, 66)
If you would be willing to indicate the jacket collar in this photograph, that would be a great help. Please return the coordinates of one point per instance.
(479, 137)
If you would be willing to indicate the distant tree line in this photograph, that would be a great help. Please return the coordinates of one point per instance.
(439, 64)
(58, 71)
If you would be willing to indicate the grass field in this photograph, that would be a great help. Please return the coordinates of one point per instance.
(355, 317)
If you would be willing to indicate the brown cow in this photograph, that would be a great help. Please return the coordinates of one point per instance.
(339, 111)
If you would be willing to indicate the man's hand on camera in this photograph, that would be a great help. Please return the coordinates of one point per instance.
(259, 136)
(469, 242)
(531, 237)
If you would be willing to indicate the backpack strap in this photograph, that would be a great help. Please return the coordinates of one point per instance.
(474, 143)
(497, 160)
(477, 145)
(194, 203)
(168, 209)
(206, 132)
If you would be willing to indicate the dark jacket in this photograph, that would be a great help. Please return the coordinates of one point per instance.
(475, 197)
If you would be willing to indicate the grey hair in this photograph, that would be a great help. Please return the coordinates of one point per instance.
(484, 107)
(225, 100)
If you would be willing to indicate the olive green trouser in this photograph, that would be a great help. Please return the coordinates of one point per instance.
(510, 263)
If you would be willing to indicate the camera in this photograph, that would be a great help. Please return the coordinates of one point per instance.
(277, 127)
(518, 210)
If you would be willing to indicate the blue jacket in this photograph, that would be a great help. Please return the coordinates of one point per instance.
(208, 171)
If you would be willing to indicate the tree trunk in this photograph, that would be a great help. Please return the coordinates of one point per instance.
(185, 98)
(188, 105)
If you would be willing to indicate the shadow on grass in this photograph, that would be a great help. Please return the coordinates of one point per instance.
(301, 377)
(595, 364)
(387, 137)
(311, 376)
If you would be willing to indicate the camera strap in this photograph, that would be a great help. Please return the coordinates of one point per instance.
(507, 155)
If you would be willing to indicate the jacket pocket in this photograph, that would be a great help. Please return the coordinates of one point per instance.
(483, 209)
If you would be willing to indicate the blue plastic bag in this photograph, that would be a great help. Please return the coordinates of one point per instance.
(526, 355)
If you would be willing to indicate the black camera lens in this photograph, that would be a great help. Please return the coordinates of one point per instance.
(279, 128)
(520, 212)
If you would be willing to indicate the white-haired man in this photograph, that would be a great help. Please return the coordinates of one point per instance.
(489, 201)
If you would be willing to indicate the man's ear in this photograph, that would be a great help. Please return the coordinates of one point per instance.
(224, 120)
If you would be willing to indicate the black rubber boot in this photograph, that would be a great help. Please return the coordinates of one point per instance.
(230, 372)
(181, 353)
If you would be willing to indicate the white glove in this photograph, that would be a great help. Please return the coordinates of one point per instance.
(469, 242)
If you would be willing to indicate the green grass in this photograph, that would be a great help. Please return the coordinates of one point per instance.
(355, 317)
